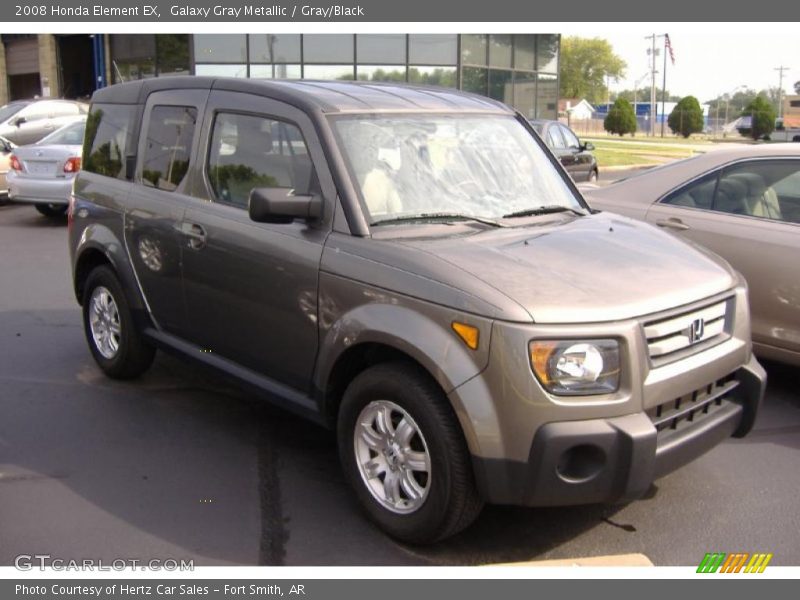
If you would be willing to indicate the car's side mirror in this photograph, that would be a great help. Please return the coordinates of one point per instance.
(281, 205)
(588, 146)
(19, 121)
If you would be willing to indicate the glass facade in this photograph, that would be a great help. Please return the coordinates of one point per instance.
(518, 69)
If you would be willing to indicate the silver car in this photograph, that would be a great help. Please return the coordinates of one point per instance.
(42, 173)
(744, 204)
(28, 121)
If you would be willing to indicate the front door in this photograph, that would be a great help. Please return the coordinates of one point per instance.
(251, 288)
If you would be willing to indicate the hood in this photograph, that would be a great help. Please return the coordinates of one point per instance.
(601, 267)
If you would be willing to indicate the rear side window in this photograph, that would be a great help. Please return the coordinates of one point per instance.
(108, 130)
(248, 152)
(168, 146)
(698, 194)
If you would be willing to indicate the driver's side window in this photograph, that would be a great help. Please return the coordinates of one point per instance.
(249, 151)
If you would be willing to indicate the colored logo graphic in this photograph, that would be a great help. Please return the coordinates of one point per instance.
(734, 563)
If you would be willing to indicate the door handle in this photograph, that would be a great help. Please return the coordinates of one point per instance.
(195, 234)
(673, 223)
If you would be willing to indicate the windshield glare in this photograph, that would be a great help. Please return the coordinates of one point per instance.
(472, 165)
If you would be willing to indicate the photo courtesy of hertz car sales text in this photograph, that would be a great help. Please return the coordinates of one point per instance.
(411, 267)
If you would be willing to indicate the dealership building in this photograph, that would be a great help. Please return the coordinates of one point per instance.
(518, 69)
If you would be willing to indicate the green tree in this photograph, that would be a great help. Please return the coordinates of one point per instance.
(621, 118)
(584, 65)
(762, 115)
(687, 117)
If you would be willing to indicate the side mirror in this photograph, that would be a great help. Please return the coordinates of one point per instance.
(280, 205)
(588, 146)
(19, 121)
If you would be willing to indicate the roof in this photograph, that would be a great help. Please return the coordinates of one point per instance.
(325, 96)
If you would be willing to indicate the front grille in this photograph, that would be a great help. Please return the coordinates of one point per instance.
(692, 408)
(672, 337)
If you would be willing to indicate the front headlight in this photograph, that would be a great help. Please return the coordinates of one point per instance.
(576, 367)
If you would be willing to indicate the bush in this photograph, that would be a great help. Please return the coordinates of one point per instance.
(620, 119)
(762, 117)
(687, 117)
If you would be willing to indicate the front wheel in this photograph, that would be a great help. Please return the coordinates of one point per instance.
(115, 343)
(404, 454)
(592, 176)
(52, 211)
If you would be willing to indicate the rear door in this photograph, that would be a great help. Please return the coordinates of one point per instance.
(251, 288)
(749, 213)
(154, 213)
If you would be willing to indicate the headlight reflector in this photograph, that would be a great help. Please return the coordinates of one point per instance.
(576, 367)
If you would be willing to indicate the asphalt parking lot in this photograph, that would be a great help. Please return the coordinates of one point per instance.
(179, 464)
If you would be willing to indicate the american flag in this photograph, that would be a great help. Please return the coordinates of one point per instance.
(668, 46)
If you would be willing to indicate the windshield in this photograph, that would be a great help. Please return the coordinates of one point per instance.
(470, 165)
(9, 110)
(69, 135)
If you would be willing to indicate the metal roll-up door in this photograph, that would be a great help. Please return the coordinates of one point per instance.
(22, 56)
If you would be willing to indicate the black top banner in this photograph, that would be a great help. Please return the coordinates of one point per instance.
(396, 11)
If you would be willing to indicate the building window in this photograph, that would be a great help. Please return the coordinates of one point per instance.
(143, 56)
(547, 97)
(432, 49)
(328, 48)
(275, 71)
(221, 70)
(395, 73)
(385, 49)
(172, 55)
(272, 48)
(475, 79)
(501, 85)
(547, 52)
(342, 72)
(440, 76)
(220, 48)
(525, 52)
(473, 50)
(525, 93)
(500, 51)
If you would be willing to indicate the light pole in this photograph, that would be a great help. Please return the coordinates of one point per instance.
(780, 69)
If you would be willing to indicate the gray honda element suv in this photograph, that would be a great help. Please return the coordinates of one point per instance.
(412, 267)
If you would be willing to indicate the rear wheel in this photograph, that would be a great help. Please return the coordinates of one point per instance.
(52, 210)
(404, 454)
(115, 343)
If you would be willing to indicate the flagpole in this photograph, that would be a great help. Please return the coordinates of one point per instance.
(664, 84)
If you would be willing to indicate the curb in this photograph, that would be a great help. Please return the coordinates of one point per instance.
(614, 560)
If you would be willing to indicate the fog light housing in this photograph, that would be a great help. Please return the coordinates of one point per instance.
(576, 367)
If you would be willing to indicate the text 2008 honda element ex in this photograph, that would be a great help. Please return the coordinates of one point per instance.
(411, 267)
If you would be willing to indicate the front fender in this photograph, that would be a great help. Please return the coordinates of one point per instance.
(428, 340)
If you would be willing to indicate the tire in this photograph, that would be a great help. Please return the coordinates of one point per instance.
(120, 355)
(447, 500)
(52, 211)
(592, 176)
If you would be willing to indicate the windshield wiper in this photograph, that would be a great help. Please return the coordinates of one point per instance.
(440, 216)
(543, 210)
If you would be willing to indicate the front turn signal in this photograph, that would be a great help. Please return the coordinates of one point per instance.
(468, 334)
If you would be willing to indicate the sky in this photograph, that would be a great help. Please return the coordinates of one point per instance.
(710, 63)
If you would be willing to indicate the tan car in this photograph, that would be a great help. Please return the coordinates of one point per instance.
(744, 204)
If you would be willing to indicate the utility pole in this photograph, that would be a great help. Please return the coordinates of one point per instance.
(664, 85)
(653, 52)
(780, 69)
